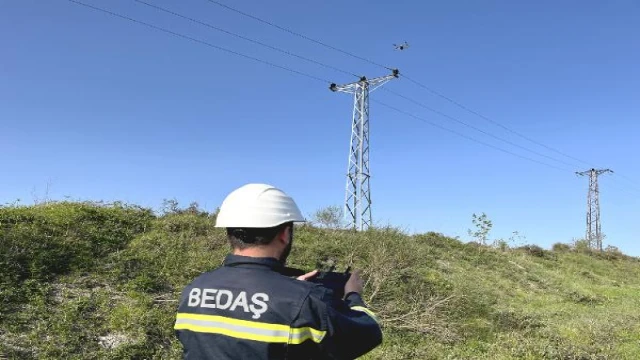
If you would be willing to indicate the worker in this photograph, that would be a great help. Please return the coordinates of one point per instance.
(248, 309)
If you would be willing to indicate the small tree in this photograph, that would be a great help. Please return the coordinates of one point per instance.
(329, 217)
(483, 227)
(169, 206)
(581, 245)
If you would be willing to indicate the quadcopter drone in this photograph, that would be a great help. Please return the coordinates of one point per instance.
(401, 46)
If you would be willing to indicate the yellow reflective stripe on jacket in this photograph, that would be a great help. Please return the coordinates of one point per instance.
(367, 311)
(300, 335)
(244, 329)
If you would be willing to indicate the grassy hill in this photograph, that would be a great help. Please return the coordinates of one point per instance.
(96, 281)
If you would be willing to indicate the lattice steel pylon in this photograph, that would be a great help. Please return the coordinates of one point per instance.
(593, 233)
(357, 202)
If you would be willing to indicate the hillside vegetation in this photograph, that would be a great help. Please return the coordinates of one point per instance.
(96, 281)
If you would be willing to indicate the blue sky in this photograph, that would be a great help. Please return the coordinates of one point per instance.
(100, 108)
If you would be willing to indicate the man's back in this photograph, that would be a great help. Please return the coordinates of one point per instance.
(247, 310)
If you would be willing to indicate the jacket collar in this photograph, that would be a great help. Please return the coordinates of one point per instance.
(253, 262)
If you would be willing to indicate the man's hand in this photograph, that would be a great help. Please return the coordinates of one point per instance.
(354, 284)
(308, 275)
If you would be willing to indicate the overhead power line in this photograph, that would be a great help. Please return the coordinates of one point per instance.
(297, 34)
(491, 120)
(349, 73)
(629, 190)
(629, 180)
(429, 89)
(199, 41)
(311, 77)
(466, 137)
(211, 26)
(474, 127)
(299, 73)
(406, 77)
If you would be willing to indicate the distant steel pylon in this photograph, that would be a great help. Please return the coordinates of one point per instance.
(593, 233)
(358, 192)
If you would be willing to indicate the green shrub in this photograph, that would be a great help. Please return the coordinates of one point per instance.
(43, 241)
(582, 246)
(560, 247)
(39, 243)
(533, 250)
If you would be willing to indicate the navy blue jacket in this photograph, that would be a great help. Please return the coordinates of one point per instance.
(246, 309)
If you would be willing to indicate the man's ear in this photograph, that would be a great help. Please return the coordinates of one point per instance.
(283, 235)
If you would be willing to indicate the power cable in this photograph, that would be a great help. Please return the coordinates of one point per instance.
(629, 190)
(473, 127)
(465, 136)
(629, 180)
(244, 37)
(199, 41)
(406, 77)
(490, 120)
(297, 34)
(321, 80)
(416, 82)
(514, 132)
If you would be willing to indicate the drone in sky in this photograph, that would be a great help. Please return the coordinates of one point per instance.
(401, 46)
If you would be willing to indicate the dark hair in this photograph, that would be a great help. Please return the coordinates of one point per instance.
(242, 238)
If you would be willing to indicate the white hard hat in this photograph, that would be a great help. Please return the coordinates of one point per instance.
(257, 206)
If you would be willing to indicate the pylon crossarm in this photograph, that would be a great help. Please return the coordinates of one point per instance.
(377, 82)
(349, 88)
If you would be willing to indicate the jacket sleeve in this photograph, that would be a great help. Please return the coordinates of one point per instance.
(350, 328)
